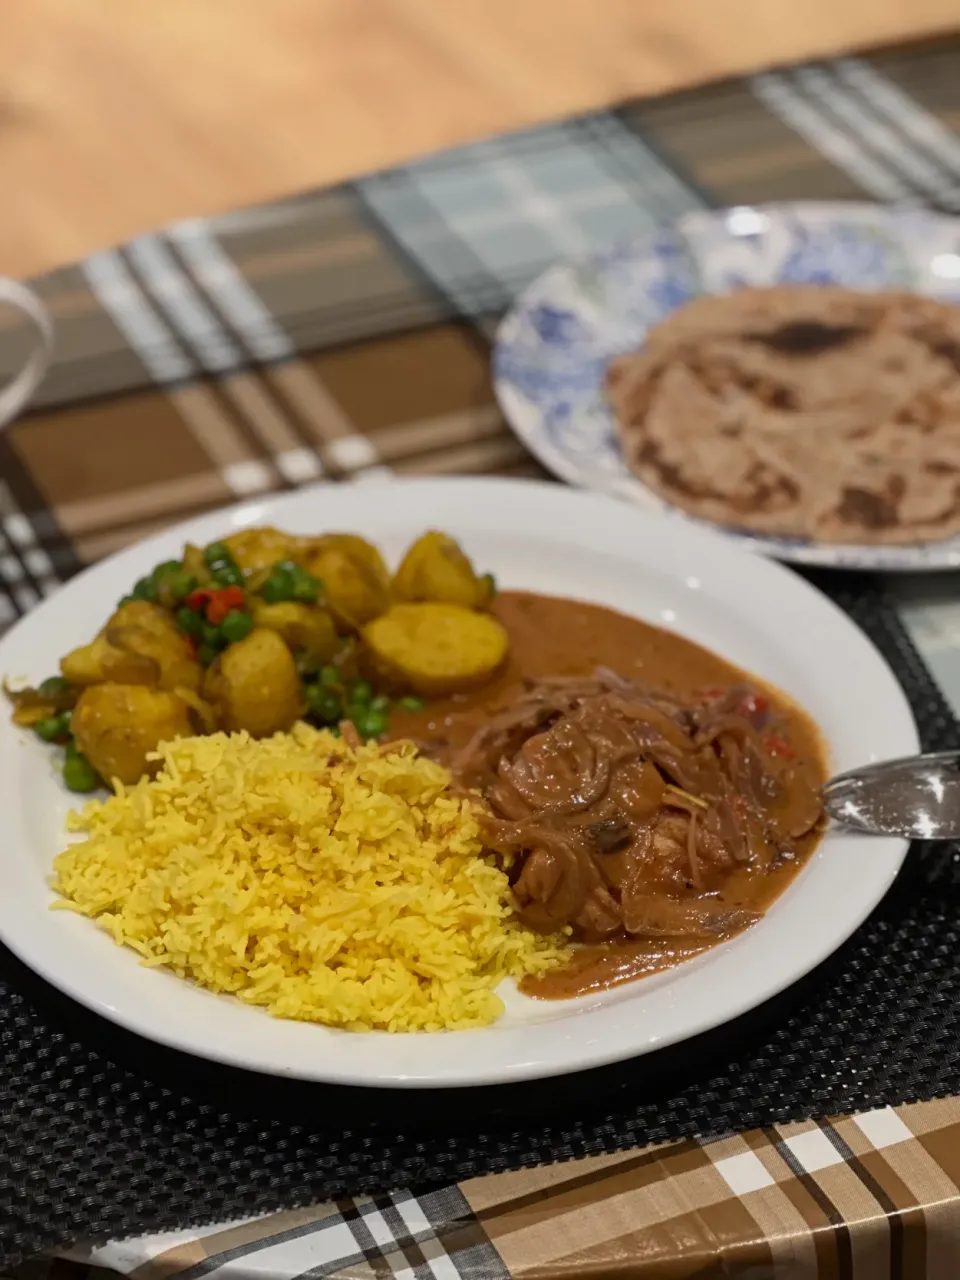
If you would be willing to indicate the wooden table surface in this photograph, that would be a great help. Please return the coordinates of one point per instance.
(118, 115)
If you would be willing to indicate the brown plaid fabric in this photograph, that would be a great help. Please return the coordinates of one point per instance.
(347, 332)
(350, 329)
(870, 1197)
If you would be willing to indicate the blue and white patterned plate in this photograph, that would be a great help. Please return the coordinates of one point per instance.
(553, 346)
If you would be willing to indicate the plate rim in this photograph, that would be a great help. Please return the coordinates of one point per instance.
(521, 414)
(268, 508)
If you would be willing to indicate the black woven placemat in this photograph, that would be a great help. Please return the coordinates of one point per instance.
(103, 1134)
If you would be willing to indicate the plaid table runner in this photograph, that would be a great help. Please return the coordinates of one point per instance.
(347, 333)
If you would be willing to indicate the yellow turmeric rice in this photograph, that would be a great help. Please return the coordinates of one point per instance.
(324, 883)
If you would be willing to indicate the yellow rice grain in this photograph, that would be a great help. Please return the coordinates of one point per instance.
(327, 884)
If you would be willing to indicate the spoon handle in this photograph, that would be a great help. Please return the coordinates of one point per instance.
(917, 797)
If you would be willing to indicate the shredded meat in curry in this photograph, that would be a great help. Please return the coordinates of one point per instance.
(628, 809)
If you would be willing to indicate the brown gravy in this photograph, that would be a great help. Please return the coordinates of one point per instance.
(552, 636)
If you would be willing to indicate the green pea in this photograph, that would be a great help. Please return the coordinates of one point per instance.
(278, 588)
(189, 620)
(217, 553)
(330, 677)
(305, 591)
(172, 584)
(53, 687)
(361, 693)
(210, 633)
(306, 588)
(228, 575)
(371, 724)
(411, 703)
(324, 704)
(165, 569)
(49, 729)
(236, 626)
(66, 722)
(491, 582)
(79, 774)
(207, 653)
(179, 585)
(380, 703)
(145, 589)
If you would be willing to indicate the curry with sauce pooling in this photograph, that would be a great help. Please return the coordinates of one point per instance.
(653, 799)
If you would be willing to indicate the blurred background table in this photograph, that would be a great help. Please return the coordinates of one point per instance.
(119, 116)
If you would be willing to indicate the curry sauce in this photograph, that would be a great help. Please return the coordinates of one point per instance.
(554, 637)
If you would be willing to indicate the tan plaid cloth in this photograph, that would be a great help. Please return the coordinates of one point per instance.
(349, 331)
(873, 1197)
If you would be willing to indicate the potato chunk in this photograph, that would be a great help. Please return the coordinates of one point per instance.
(139, 645)
(355, 591)
(435, 568)
(116, 726)
(100, 661)
(356, 548)
(255, 549)
(254, 685)
(301, 626)
(146, 629)
(436, 648)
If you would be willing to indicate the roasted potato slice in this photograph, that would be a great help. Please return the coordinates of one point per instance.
(147, 631)
(435, 568)
(255, 549)
(355, 591)
(100, 661)
(301, 626)
(139, 645)
(354, 546)
(117, 726)
(435, 648)
(254, 685)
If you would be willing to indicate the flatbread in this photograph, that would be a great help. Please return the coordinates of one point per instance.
(801, 411)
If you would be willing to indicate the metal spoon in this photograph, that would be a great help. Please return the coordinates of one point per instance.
(917, 797)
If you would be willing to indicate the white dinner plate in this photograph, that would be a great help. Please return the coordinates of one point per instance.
(554, 345)
(545, 538)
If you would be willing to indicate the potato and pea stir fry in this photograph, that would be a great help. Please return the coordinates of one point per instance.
(257, 631)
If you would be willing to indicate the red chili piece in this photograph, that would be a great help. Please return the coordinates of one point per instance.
(216, 604)
(708, 695)
(778, 747)
(196, 600)
(222, 601)
(753, 704)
